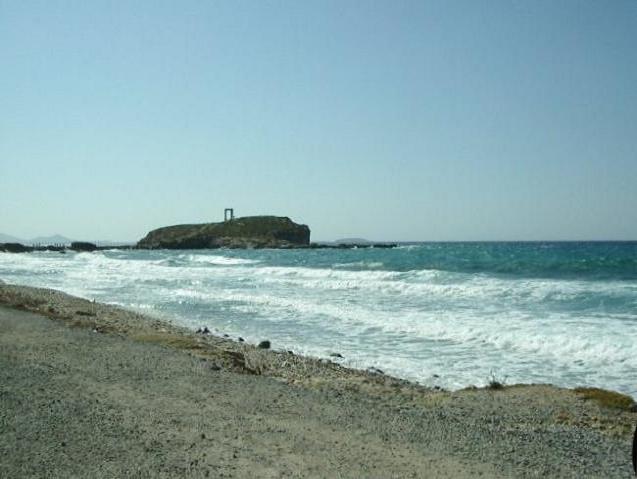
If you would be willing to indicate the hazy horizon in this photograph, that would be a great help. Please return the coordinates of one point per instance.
(391, 121)
(40, 238)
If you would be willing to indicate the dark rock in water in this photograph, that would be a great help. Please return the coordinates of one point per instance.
(264, 345)
(336, 355)
(15, 248)
(83, 246)
(204, 330)
(354, 241)
(247, 232)
(351, 245)
(240, 339)
(226, 335)
(374, 370)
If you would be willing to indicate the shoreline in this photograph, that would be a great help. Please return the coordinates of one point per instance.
(237, 343)
(513, 431)
(91, 247)
(241, 357)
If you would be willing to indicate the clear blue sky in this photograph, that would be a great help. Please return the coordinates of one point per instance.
(394, 120)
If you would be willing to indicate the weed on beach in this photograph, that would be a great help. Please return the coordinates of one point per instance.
(605, 398)
(494, 383)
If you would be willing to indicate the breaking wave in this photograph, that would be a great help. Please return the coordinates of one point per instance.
(401, 310)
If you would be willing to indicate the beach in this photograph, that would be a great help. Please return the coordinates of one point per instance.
(318, 239)
(92, 390)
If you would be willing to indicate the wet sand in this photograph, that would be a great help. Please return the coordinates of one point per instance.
(91, 390)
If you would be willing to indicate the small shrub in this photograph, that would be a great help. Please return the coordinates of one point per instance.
(605, 398)
(494, 383)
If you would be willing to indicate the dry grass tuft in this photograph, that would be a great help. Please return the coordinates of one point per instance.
(605, 398)
(494, 383)
(170, 340)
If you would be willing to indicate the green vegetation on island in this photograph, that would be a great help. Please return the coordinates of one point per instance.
(246, 232)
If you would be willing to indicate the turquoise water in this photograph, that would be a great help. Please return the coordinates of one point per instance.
(445, 314)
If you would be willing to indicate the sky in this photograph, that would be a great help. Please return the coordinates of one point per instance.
(387, 120)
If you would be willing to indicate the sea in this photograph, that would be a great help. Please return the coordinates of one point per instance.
(451, 315)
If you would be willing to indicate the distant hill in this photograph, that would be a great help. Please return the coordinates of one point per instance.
(57, 239)
(54, 239)
(9, 239)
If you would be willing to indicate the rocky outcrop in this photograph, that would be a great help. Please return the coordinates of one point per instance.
(247, 232)
(15, 248)
(83, 246)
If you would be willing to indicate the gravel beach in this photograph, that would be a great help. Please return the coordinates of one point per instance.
(92, 390)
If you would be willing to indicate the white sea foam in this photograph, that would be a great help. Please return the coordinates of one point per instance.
(410, 323)
(219, 260)
(360, 264)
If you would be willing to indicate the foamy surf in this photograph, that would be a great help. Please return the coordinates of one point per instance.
(390, 309)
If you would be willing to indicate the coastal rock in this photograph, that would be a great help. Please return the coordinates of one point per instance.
(83, 246)
(264, 345)
(15, 248)
(241, 233)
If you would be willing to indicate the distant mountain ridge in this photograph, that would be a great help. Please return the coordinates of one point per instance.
(56, 239)
(53, 239)
(10, 239)
(43, 240)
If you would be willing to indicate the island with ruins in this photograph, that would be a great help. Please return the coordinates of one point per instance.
(246, 232)
(249, 232)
